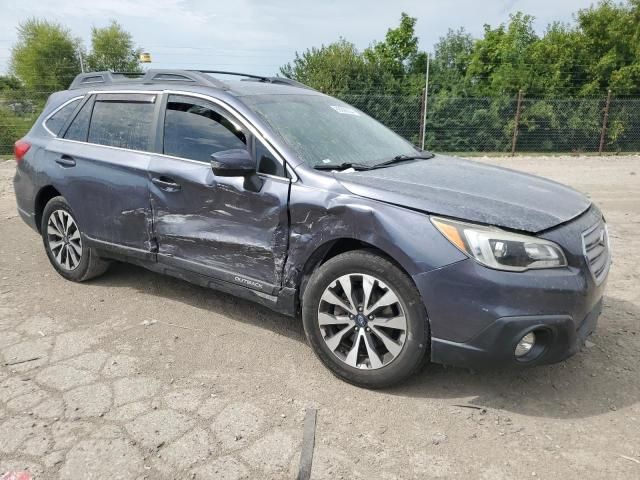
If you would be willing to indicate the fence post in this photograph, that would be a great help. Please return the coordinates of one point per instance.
(605, 120)
(421, 137)
(425, 104)
(517, 122)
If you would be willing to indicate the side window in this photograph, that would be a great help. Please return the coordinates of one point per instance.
(124, 121)
(80, 125)
(195, 130)
(56, 121)
(267, 163)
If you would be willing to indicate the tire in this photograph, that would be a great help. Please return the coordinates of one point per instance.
(374, 362)
(65, 244)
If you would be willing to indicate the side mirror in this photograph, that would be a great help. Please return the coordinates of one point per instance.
(237, 163)
(233, 163)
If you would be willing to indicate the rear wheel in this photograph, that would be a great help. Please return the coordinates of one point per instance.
(65, 244)
(365, 320)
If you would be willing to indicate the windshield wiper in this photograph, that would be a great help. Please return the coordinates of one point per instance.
(404, 158)
(342, 166)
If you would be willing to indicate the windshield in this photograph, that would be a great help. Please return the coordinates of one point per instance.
(325, 131)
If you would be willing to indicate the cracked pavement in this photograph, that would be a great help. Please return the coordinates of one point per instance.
(136, 375)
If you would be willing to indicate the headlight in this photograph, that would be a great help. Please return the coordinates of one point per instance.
(497, 248)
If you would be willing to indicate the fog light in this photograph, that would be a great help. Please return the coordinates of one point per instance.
(525, 344)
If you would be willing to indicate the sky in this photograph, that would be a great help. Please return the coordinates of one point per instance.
(258, 36)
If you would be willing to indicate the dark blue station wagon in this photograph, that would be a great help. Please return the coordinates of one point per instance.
(266, 189)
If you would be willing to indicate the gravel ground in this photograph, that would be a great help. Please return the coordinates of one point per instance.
(135, 375)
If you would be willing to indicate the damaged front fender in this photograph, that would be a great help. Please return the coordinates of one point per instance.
(321, 216)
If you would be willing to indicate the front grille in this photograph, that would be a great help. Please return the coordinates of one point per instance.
(595, 243)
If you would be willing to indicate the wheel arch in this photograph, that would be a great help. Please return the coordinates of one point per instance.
(43, 196)
(334, 247)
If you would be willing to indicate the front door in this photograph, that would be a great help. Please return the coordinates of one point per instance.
(214, 225)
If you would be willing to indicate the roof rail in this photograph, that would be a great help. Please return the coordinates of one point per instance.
(289, 81)
(88, 80)
(237, 74)
(195, 77)
(259, 78)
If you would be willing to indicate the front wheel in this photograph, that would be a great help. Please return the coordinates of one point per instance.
(65, 245)
(365, 320)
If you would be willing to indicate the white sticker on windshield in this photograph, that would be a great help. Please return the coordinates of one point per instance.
(345, 110)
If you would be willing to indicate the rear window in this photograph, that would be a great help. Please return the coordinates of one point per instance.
(80, 125)
(56, 121)
(124, 121)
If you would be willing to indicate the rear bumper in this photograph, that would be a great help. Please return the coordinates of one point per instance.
(28, 218)
(558, 337)
(24, 191)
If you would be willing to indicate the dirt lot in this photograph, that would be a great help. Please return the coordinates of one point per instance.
(142, 376)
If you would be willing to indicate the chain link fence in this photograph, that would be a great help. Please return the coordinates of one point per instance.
(401, 113)
(488, 124)
(453, 124)
(18, 111)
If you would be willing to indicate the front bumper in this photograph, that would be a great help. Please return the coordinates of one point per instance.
(477, 315)
(558, 337)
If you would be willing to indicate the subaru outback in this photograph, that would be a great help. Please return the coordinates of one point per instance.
(266, 189)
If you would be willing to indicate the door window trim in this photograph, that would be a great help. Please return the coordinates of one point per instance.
(253, 130)
(162, 121)
(163, 95)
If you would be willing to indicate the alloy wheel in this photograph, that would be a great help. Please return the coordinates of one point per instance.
(362, 321)
(64, 239)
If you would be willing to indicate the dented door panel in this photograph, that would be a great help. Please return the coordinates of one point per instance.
(214, 226)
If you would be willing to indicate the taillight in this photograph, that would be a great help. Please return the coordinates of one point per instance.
(20, 149)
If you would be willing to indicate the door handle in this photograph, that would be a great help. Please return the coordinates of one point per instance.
(66, 161)
(167, 184)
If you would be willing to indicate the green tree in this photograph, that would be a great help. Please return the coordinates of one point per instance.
(335, 68)
(396, 62)
(399, 49)
(393, 65)
(498, 64)
(611, 35)
(558, 62)
(112, 48)
(449, 63)
(45, 58)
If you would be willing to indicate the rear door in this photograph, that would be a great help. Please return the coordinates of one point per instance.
(100, 166)
(214, 225)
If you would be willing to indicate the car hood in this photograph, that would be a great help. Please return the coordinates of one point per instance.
(473, 191)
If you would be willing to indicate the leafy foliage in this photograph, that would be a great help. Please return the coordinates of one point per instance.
(12, 127)
(335, 68)
(112, 49)
(600, 51)
(45, 59)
